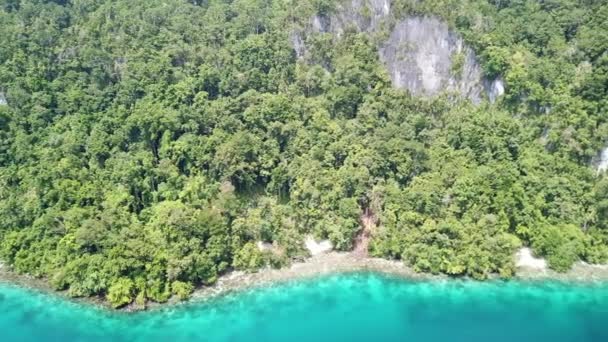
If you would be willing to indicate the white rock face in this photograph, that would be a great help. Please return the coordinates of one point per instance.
(419, 56)
(315, 247)
(602, 162)
(419, 52)
(264, 246)
(525, 259)
(495, 89)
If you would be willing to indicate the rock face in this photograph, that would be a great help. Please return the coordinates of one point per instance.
(494, 89)
(316, 248)
(601, 163)
(421, 54)
(525, 259)
(264, 246)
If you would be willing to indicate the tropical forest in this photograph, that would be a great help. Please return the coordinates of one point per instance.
(149, 147)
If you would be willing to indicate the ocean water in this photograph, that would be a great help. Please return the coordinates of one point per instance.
(347, 307)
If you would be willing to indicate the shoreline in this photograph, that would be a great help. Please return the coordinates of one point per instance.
(349, 262)
(315, 266)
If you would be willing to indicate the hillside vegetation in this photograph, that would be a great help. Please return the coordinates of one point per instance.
(147, 146)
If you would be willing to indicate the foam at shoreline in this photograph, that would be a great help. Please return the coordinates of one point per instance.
(320, 265)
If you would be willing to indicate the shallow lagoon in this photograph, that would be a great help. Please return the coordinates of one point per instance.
(355, 307)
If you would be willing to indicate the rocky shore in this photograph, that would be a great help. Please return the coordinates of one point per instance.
(344, 262)
(319, 265)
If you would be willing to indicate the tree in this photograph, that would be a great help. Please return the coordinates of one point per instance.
(120, 292)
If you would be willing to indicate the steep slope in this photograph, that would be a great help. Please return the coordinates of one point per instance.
(420, 53)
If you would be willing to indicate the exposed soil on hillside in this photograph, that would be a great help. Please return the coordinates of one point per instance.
(369, 221)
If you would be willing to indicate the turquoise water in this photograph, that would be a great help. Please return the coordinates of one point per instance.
(353, 307)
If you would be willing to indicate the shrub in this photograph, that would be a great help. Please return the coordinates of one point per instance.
(121, 292)
(562, 245)
(181, 289)
(249, 258)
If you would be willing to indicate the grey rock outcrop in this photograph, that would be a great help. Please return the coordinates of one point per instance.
(494, 89)
(601, 161)
(421, 54)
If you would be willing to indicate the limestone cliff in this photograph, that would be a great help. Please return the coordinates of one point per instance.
(421, 53)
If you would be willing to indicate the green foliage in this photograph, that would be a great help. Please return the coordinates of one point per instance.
(120, 292)
(458, 60)
(158, 291)
(249, 258)
(563, 245)
(182, 290)
(147, 146)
